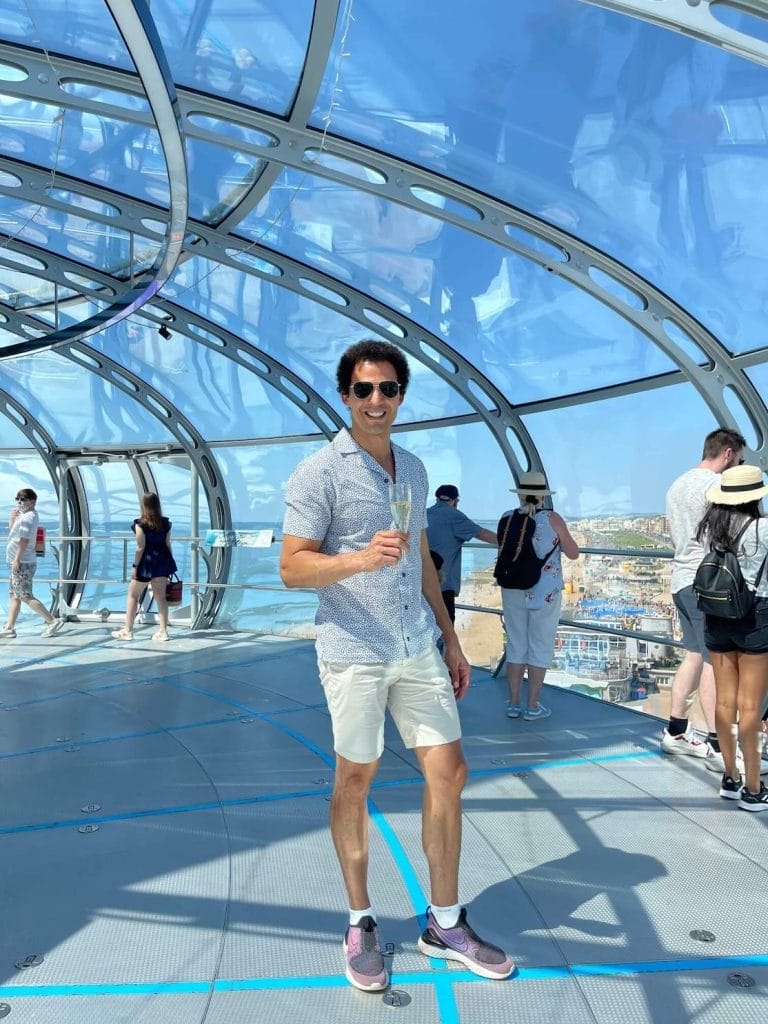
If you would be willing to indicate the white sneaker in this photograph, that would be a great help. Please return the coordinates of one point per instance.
(54, 627)
(7, 634)
(686, 743)
(714, 761)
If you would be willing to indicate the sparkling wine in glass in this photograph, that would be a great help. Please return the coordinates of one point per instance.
(400, 505)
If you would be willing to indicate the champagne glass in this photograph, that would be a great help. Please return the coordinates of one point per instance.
(400, 506)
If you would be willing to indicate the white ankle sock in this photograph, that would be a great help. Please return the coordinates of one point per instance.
(446, 917)
(356, 916)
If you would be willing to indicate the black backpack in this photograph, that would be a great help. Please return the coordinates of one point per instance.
(518, 567)
(719, 584)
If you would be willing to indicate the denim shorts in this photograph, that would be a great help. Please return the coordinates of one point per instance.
(749, 635)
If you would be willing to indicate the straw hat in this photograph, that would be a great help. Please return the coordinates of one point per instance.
(737, 486)
(533, 483)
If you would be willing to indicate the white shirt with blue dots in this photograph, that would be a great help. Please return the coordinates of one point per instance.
(339, 496)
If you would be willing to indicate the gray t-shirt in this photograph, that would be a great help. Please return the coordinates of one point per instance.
(686, 505)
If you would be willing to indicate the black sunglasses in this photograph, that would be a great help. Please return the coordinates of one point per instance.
(364, 388)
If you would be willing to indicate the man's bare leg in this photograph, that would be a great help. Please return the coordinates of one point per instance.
(349, 826)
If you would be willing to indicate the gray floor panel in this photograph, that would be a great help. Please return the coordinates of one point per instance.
(128, 1009)
(575, 863)
(523, 1001)
(136, 901)
(143, 773)
(321, 1006)
(705, 997)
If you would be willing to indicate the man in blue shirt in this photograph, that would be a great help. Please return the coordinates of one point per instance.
(447, 530)
(379, 600)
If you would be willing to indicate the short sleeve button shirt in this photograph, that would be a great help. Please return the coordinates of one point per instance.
(447, 530)
(339, 496)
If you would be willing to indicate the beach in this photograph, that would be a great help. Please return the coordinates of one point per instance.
(481, 637)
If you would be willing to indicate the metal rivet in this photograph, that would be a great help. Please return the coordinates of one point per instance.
(390, 949)
(396, 997)
(90, 808)
(245, 721)
(702, 936)
(319, 782)
(63, 739)
(498, 760)
(88, 828)
(4, 1009)
(741, 980)
(519, 775)
(71, 750)
(233, 714)
(32, 960)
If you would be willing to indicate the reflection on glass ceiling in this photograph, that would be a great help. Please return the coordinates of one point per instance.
(636, 138)
(303, 335)
(629, 138)
(79, 407)
(222, 399)
(534, 335)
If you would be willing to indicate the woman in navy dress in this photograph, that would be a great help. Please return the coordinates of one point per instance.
(153, 563)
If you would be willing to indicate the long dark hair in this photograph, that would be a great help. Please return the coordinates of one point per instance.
(151, 513)
(721, 523)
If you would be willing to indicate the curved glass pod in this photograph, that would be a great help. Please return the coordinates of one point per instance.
(619, 456)
(255, 478)
(303, 334)
(467, 456)
(12, 437)
(107, 248)
(76, 406)
(110, 492)
(221, 398)
(533, 334)
(642, 141)
(249, 51)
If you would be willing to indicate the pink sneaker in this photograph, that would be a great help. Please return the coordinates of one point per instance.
(462, 943)
(362, 952)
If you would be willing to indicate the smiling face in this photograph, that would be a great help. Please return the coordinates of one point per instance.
(372, 417)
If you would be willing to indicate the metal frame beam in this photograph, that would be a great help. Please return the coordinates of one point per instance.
(143, 44)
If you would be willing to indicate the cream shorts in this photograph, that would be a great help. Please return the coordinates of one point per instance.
(417, 691)
(531, 632)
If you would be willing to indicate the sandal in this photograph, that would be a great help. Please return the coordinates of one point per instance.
(160, 635)
(122, 634)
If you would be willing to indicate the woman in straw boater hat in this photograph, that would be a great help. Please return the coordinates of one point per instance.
(739, 647)
(531, 616)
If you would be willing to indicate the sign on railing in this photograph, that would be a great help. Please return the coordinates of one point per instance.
(240, 538)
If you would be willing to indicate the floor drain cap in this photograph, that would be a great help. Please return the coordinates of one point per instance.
(702, 936)
(396, 998)
(32, 960)
(741, 980)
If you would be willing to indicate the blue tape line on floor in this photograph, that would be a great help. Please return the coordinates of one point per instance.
(442, 981)
(275, 797)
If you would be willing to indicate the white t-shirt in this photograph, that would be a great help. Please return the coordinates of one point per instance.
(686, 505)
(24, 526)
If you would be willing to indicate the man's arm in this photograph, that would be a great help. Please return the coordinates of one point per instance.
(457, 664)
(302, 564)
(488, 536)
